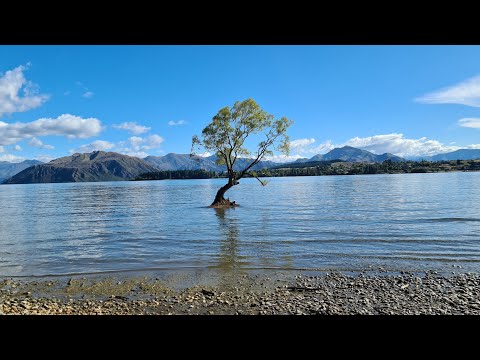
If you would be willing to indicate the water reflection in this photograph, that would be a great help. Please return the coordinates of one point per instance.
(228, 255)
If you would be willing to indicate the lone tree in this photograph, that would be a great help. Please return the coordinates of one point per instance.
(226, 136)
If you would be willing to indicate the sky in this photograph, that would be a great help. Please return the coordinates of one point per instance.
(411, 101)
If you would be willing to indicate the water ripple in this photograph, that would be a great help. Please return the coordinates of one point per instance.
(347, 222)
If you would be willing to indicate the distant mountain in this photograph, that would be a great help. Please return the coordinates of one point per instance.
(173, 161)
(351, 154)
(185, 162)
(461, 154)
(95, 166)
(301, 160)
(8, 169)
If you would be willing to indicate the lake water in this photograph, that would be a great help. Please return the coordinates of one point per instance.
(401, 222)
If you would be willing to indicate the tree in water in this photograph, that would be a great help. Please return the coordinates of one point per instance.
(226, 135)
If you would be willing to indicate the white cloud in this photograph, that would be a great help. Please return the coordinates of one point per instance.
(136, 146)
(283, 158)
(10, 85)
(301, 147)
(153, 141)
(39, 144)
(17, 148)
(2, 149)
(322, 148)
(301, 143)
(394, 143)
(397, 144)
(139, 154)
(88, 94)
(177, 123)
(43, 158)
(466, 93)
(101, 145)
(469, 122)
(11, 158)
(65, 125)
(205, 154)
(132, 127)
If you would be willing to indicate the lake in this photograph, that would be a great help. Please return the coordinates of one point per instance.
(410, 222)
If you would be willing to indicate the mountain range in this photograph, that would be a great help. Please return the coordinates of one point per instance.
(185, 162)
(8, 169)
(95, 166)
(462, 154)
(351, 154)
(111, 166)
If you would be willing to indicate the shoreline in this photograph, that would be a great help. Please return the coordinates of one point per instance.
(297, 293)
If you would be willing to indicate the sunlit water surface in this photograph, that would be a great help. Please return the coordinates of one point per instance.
(405, 222)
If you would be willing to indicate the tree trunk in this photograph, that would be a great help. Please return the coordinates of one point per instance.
(220, 201)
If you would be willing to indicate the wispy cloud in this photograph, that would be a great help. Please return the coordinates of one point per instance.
(177, 123)
(394, 143)
(11, 98)
(87, 94)
(301, 143)
(321, 148)
(205, 154)
(283, 158)
(469, 122)
(101, 145)
(132, 127)
(11, 158)
(137, 146)
(399, 145)
(39, 144)
(43, 158)
(134, 146)
(17, 148)
(67, 125)
(303, 146)
(2, 149)
(466, 93)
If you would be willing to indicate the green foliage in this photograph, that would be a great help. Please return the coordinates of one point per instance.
(176, 174)
(229, 129)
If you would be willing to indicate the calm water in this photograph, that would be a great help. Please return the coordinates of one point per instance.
(411, 221)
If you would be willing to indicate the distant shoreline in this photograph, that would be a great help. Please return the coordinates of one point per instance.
(246, 177)
(326, 168)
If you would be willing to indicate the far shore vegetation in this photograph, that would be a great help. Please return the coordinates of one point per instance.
(322, 168)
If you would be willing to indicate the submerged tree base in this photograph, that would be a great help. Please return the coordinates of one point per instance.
(223, 203)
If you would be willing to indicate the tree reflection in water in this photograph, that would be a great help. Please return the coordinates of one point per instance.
(228, 255)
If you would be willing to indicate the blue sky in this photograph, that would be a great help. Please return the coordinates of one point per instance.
(139, 100)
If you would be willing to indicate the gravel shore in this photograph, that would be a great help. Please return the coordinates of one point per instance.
(330, 293)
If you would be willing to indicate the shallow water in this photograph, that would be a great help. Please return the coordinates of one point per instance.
(401, 222)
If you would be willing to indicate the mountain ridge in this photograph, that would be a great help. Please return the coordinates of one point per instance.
(173, 161)
(460, 154)
(8, 169)
(95, 166)
(351, 154)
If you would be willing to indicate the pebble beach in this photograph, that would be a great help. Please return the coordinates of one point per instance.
(331, 293)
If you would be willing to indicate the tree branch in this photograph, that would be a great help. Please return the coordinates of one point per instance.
(264, 183)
